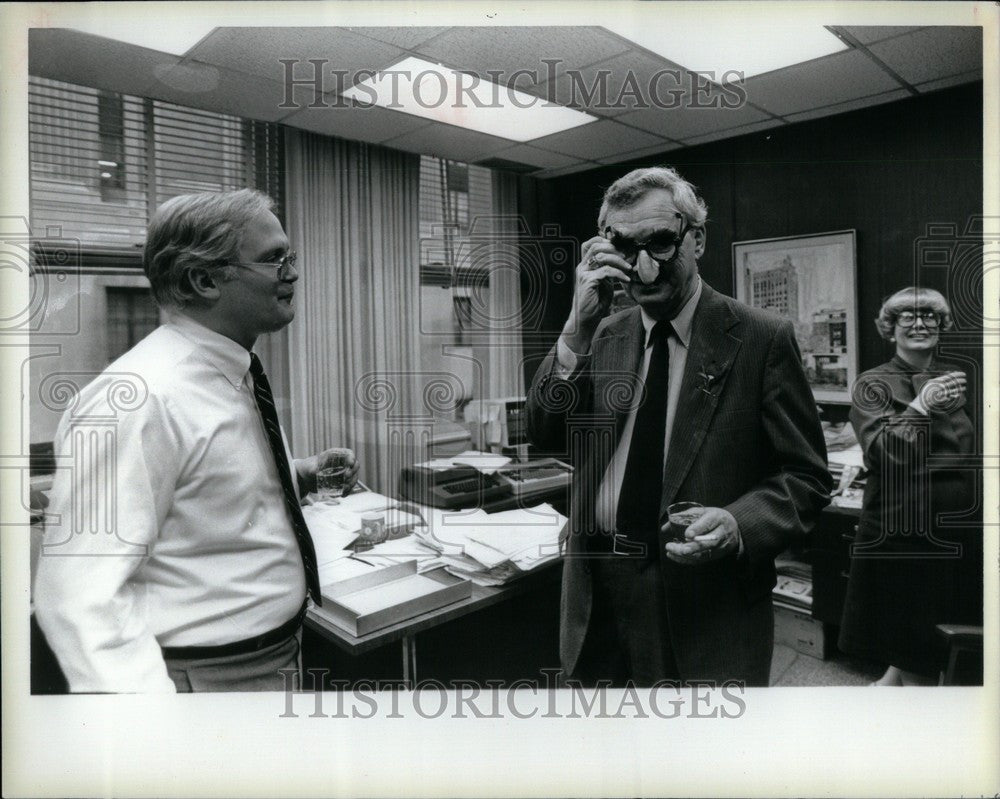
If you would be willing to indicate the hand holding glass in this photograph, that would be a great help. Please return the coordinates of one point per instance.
(682, 515)
(331, 478)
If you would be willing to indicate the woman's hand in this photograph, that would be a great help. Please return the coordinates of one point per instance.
(943, 392)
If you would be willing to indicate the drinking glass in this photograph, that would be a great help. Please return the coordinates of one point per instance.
(681, 515)
(331, 479)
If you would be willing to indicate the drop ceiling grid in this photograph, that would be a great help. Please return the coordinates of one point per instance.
(403, 38)
(821, 82)
(642, 66)
(259, 51)
(509, 49)
(83, 58)
(685, 122)
(449, 141)
(597, 139)
(535, 156)
(374, 125)
(868, 34)
(933, 53)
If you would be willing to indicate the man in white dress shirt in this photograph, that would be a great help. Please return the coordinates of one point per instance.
(179, 559)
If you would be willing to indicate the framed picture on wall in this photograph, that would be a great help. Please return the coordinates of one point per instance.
(811, 281)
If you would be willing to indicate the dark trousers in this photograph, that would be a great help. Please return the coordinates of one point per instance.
(628, 638)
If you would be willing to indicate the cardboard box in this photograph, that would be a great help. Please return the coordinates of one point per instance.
(800, 631)
(369, 602)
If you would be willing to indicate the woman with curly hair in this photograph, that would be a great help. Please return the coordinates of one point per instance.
(915, 562)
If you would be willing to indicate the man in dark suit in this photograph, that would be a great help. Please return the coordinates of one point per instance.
(691, 396)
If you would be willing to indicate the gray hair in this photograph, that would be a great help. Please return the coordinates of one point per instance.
(630, 188)
(909, 299)
(196, 230)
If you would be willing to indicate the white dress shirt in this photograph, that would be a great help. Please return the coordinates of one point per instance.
(172, 529)
(606, 506)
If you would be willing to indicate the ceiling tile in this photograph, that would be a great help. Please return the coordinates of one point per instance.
(88, 60)
(645, 152)
(685, 122)
(448, 141)
(224, 90)
(258, 51)
(626, 82)
(933, 53)
(832, 79)
(867, 34)
(527, 154)
(852, 105)
(373, 124)
(563, 170)
(597, 139)
(406, 38)
(954, 80)
(509, 49)
(733, 132)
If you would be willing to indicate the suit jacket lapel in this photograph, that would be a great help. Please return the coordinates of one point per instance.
(712, 351)
(617, 356)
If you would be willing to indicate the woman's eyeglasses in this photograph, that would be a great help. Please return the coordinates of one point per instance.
(909, 318)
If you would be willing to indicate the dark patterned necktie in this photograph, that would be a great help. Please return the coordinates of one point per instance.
(638, 513)
(265, 403)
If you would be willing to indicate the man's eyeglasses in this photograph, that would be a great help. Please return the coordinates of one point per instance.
(661, 246)
(283, 266)
(909, 318)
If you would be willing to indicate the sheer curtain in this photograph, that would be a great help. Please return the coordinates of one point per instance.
(504, 375)
(350, 354)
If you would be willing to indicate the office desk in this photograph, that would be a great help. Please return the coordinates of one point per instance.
(830, 555)
(541, 584)
(545, 578)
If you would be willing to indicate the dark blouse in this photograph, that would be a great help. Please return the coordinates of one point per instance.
(917, 557)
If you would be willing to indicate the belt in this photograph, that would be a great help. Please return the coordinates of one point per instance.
(623, 545)
(246, 646)
(620, 544)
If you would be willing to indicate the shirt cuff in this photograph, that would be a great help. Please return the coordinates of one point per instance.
(567, 361)
(918, 406)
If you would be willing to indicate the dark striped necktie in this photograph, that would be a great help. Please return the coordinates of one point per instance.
(265, 403)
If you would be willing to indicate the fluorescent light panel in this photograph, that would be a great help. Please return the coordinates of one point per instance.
(175, 38)
(752, 46)
(438, 89)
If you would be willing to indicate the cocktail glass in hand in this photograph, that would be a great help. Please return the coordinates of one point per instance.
(681, 515)
(331, 478)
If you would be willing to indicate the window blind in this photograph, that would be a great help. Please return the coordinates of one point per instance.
(454, 200)
(101, 162)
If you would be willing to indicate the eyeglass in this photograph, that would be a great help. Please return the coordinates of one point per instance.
(283, 266)
(661, 246)
(909, 318)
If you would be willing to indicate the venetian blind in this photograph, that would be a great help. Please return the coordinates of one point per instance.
(101, 162)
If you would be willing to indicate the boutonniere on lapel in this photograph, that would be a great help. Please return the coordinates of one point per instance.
(709, 375)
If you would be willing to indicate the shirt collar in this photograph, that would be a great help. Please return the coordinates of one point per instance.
(680, 323)
(225, 354)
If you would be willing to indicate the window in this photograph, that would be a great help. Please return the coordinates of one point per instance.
(132, 315)
(456, 209)
(101, 162)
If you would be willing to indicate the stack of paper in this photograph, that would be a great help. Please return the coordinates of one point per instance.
(400, 550)
(493, 548)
